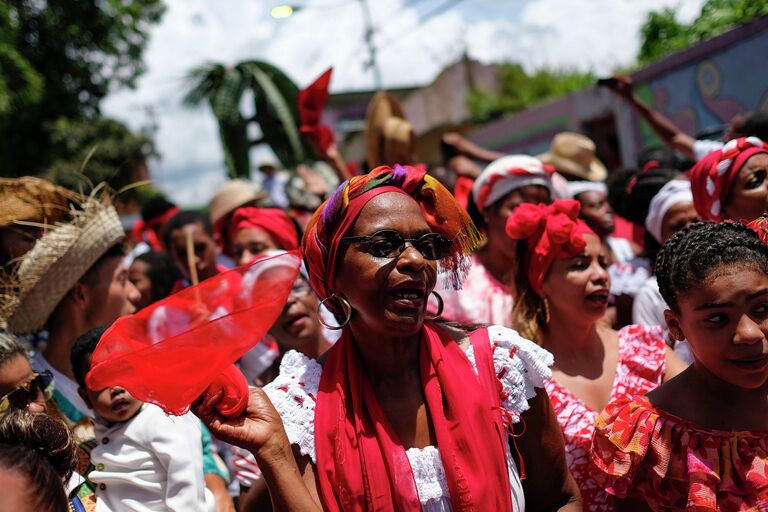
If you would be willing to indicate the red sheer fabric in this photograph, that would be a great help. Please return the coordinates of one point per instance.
(169, 353)
(361, 463)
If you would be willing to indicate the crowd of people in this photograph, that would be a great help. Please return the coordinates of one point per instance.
(506, 332)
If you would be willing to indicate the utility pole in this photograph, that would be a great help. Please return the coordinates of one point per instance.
(372, 62)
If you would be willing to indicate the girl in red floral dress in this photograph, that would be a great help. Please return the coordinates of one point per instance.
(700, 441)
(563, 294)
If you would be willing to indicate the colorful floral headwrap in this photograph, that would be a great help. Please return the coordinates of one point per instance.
(712, 177)
(552, 231)
(333, 220)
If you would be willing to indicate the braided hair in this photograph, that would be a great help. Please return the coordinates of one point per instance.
(700, 249)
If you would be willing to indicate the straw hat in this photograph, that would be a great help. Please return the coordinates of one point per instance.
(32, 200)
(388, 135)
(57, 261)
(233, 194)
(573, 154)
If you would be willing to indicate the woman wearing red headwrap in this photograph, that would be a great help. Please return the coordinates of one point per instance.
(563, 291)
(732, 183)
(404, 413)
(254, 231)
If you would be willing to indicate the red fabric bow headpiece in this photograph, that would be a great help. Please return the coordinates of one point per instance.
(311, 102)
(712, 177)
(272, 221)
(553, 232)
(335, 218)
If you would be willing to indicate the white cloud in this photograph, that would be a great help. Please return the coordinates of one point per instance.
(595, 34)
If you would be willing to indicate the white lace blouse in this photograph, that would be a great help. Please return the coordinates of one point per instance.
(520, 365)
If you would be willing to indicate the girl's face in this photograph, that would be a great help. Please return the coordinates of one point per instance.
(578, 287)
(748, 198)
(676, 218)
(596, 212)
(726, 323)
(138, 274)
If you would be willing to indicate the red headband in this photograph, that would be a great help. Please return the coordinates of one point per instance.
(553, 232)
(272, 221)
(712, 177)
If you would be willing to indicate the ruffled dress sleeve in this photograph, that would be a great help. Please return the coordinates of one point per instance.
(644, 453)
(294, 395)
(521, 367)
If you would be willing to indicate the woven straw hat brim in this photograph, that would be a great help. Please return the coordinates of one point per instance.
(231, 196)
(382, 107)
(58, 260)
(596, 171)
(32, 199)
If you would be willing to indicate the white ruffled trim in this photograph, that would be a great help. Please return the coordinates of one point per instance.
(429, 473)
(294, 393)
(521, 365)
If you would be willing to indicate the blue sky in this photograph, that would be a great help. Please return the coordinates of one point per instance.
(417, 38)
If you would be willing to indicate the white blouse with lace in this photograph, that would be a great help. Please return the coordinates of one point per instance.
(521, 366)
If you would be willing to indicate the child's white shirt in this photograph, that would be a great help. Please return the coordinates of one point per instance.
(153, 462)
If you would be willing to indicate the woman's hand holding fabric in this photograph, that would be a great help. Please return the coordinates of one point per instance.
(259, 429)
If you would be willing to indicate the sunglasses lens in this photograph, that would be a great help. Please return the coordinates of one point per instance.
(385, 244)
(433, 246)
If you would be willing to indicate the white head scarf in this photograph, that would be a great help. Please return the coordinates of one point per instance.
(673, 193)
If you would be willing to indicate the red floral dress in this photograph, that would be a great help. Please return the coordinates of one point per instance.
(639, 369)
(671, 464)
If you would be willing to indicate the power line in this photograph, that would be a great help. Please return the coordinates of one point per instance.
(429, 15)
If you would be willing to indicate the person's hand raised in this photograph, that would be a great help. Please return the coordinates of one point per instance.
(621, 85)
(259, 429)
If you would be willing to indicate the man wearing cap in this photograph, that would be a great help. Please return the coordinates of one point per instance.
(70, 281)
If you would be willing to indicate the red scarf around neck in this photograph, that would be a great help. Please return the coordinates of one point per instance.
(361, 465)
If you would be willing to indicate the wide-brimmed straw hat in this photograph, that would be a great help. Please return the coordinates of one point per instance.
(57, 262)
(232, 195)
(573, 155)
(30, 199)
(388, 135)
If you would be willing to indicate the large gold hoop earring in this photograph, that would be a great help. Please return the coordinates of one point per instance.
(345, 305)
(544, 310)
(440, 306)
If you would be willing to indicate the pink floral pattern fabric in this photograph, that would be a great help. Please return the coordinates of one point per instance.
(639, 369)
(482, 299)
(671, 464)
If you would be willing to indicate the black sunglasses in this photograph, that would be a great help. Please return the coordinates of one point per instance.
(20, 397)
(390, 244)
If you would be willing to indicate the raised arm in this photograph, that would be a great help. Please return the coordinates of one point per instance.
(663, 126)
(261, 431)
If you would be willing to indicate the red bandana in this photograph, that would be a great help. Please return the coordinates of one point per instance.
(712, 177)
(553, 232)
(362, 465)
(272, 221)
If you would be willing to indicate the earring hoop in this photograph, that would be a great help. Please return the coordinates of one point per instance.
(345, 305)
(440, 306)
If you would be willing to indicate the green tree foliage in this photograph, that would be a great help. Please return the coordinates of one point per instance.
(518, 90)
(274, 102)
(117, 156)
(663, 34)
(59, 59)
